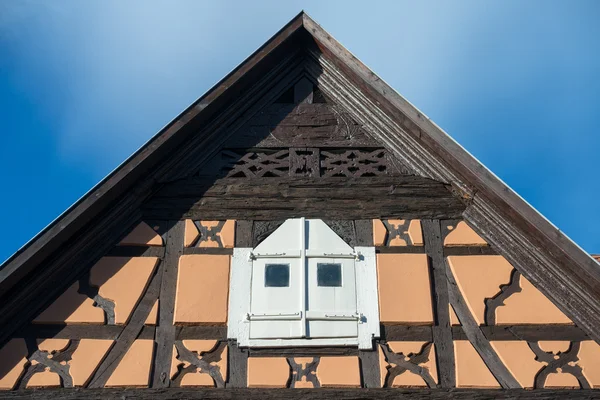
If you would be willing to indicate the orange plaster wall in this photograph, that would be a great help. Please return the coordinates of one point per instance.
(414, 231)
(71, 308)
(268, 372)
(408, 378)
(519, 359)
(463, 235)
(481, 277)
(134, 368)
(226, 234)
(198, 378)
(122, 280)
(13, 357)
(529, 306)
(87, 358)
(471, 371)
(339, 372)
(142, 235)
(202, 289)
(404, 289)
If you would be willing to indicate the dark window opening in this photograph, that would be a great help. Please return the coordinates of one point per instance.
(329, 275)
(277, 275)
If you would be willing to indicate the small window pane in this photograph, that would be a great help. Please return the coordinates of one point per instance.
(277, 275)
(329, 274)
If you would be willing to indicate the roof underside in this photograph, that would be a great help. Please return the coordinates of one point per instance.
(561, 269)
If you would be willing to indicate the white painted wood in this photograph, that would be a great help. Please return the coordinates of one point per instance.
(239, 292)
(304, 314)
(304, 230)
(367, 297)
(302, 342)
(332, 300)
(276, 301)
(286, 237)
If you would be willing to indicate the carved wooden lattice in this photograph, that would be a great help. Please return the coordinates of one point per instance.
(264, 163)
(305, 162)
(353, 163)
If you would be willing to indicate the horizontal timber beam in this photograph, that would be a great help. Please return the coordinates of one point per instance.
(406, 196)
(305, 394)
(514, 332)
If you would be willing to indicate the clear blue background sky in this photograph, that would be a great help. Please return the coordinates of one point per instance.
(84, 84)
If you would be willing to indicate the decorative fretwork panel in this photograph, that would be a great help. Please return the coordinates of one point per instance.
(306, 162)
(255, 164)
(353, 163)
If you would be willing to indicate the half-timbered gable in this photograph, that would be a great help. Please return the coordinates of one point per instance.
(301, 226)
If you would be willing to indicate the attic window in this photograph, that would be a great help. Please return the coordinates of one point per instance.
(303, 286)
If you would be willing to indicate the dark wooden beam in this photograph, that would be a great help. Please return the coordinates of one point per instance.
(201, 332)
(166, 331)
(280, 198)
(301, 125)
(208, 250)
(304, 394)
(302, 351)
(392, 333)
(237, 370)
(369, 368)
(442, 331)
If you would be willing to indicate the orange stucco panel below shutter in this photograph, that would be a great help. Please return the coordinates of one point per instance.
(404, 289)
(202, 289)
(339, 372)
(268, 372)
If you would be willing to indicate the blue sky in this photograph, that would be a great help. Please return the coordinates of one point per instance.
(84, 84)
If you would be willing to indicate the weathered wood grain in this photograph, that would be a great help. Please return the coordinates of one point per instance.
(301, 125)
(329, 198)
(369, 368)
(304, 394)
(363, 232)
(201, 332)
(442, 332)
(208, 250)
(237, 367)
(243, 233)
(166, 331)
(316, 351)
